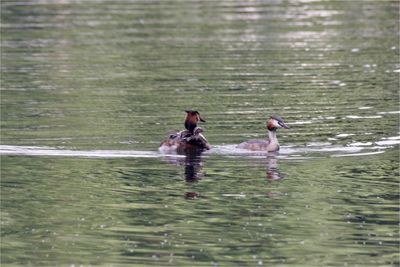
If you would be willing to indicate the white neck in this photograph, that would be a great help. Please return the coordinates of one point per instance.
(272, 137)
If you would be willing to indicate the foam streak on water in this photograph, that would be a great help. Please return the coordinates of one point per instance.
(324, 149)
(55, 152)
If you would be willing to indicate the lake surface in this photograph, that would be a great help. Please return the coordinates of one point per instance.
(89, 89)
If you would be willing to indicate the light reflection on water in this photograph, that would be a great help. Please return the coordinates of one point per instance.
(90, 88)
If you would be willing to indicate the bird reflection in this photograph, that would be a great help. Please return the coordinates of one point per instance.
(191, 195)
(192, 162)
(273, 172)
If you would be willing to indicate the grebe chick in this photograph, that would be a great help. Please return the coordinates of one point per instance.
(189, 139)
(197, 139)
(271, 145)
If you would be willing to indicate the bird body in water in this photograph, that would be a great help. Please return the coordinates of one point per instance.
(189, 139)
(270, 145)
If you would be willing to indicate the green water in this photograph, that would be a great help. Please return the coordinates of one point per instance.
(114, 77)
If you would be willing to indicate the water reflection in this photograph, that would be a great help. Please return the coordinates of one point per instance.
(192, 162)
(273, 172)
(191, 195)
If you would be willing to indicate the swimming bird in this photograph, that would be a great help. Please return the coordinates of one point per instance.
(189, 139)
(271, 145)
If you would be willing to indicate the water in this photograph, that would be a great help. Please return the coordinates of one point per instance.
(90, 88)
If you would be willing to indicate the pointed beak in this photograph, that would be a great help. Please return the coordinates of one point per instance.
(201, 119)
(283, 125)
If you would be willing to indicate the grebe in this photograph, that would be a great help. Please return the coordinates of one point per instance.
(192, 118)
(189, 139)
(271, 145)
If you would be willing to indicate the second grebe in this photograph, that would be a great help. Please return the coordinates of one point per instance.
(271, 145)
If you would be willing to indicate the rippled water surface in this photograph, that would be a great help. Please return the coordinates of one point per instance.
(90, 88)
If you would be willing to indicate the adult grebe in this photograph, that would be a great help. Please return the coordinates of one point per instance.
(191, 138)
(191, 120)
(271, 145)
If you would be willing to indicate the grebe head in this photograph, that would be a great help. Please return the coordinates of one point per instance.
(275, 122)
(195, 115)
(192, 118)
